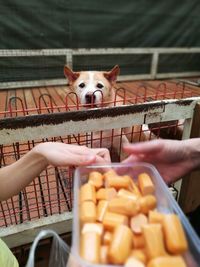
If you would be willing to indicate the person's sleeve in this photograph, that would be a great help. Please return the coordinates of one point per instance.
(6, 256)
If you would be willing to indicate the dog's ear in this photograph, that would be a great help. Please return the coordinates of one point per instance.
(70, 75)
(112, 74)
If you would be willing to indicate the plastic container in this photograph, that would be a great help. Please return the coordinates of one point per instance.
(166, 204)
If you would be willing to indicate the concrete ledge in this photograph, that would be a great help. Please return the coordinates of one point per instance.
(17, 235)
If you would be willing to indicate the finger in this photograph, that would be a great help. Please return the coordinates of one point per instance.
(125, 164)
(86, 160)
(83, 150)
(104, 153)
(132, 159)
(104, 165)
(100, 160)
(77, 159)
(144, 147)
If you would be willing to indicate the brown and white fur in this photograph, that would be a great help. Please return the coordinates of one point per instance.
(96, 89)
(91, 86)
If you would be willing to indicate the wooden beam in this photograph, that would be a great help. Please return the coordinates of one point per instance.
(189, 195)
(75, 122)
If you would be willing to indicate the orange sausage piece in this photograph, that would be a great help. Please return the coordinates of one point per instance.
(90, 247)
(127, 194)
(106, 193)
(124, 206)
(110, 173)
(155, 217)
(137, 222)
(133, 262)
(139, 254)
(88, 212)
(96, 179)
(111, 220)
(134, 188)
(101, 209)
(154, 240)
(176, 241)
(93, 227)
(167, 261)
(117, 182)
(121, 245)
(87, 193)
(147, 203)
(145, 184)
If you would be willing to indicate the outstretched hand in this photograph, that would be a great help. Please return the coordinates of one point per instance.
(60, 154)
(16, 176)
(172, 158)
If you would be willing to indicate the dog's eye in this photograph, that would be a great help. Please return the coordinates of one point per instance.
(99, 85)
(81, 85)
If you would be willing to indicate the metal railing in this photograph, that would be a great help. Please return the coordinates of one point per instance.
(69, 55)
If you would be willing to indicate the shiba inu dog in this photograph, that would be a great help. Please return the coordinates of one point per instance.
(95, 89)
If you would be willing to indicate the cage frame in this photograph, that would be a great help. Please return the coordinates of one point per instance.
(73, 122)
(84, 121)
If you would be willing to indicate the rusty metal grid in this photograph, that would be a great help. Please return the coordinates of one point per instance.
(41, 100)
(51, 192)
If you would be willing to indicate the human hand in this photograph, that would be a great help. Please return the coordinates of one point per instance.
(60, 154)
(16, 176)
(172, 158)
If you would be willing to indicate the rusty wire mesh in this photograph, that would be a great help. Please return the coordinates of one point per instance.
(51, 192)
(23, 102)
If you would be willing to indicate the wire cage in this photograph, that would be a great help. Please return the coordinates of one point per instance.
(50, 194)
(40, 100)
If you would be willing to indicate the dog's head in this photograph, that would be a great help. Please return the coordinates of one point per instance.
(92, 87)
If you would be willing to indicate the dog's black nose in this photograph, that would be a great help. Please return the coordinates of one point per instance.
(90, 98)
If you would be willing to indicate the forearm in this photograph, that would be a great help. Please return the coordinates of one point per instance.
(15, 177)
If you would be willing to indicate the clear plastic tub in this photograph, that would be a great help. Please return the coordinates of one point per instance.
(166, 204)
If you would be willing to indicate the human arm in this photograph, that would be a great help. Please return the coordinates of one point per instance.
(15, 177)
(172, 158)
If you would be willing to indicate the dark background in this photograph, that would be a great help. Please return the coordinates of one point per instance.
(42, 24)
